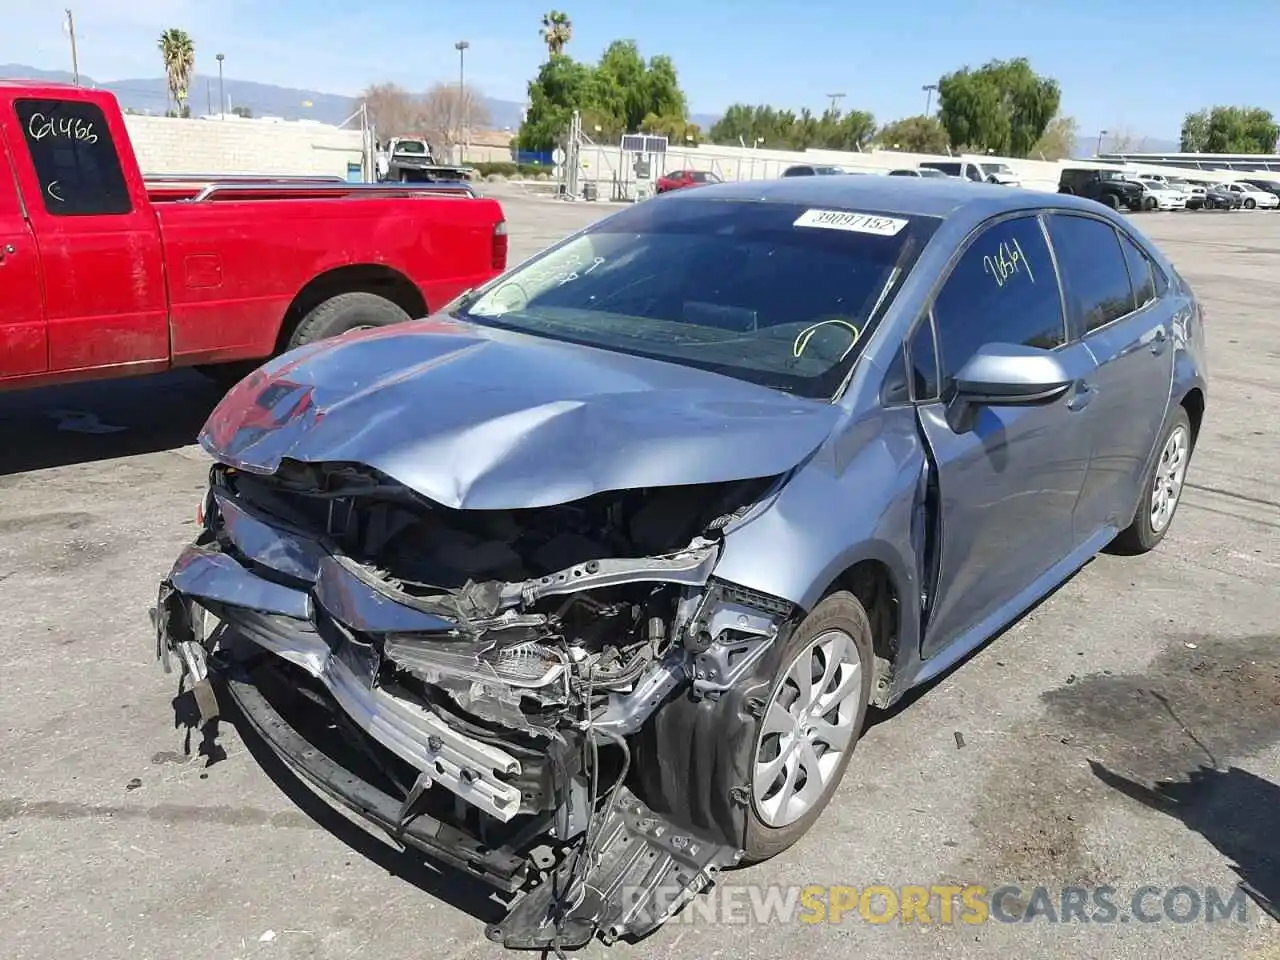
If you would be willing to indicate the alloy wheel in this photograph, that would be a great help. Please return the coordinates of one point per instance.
(1166, 487)
(807, 728)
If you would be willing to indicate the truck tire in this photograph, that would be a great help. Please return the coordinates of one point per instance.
(1110, 200)
(344, 313)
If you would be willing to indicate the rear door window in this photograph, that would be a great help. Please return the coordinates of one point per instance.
(74, 157)
(1094, 275)
(1142, 273)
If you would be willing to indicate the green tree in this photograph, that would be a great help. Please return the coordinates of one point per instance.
(622, 93)
(1195, 132)
(1230, 130)
(242, 112)
(743, 124)
(556, 32)
(179, 54)
(1058, 140)
(914, 134)
(1003, 107)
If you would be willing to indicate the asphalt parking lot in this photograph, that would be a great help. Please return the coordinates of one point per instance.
(1031, 765)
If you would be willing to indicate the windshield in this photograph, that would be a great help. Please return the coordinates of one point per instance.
(826, 171)
(776, 294)
(930, 172)
(411, 146)
(951, 168)
(996, 168)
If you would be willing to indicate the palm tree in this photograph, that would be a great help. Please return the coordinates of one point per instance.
(557, 31)
(179, 54)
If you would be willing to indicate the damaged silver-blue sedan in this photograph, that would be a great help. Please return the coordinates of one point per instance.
(584, 584)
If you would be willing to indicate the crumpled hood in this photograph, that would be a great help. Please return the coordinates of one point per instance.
(477, 418)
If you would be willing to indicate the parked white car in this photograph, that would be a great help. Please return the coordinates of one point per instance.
(927, 172)
(1251, 196)
(977, 172)
(1166, 197)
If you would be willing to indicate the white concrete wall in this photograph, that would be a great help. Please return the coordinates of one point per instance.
(745, 163)
(167, 145)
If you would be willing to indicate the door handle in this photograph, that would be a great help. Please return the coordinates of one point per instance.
(1081, 395)
(1158, 341)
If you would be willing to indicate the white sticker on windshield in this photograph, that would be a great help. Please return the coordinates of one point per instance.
(851, 222)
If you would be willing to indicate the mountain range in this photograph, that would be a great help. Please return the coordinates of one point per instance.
(150, 95)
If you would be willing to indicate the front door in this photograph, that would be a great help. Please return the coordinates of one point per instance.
(1009, 481)
(24, 345)
(99, 241)
(1113, 304)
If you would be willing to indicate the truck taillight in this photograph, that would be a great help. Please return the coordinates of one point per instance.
(500, 245)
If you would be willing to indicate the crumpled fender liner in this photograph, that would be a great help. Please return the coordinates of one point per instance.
(691, 762)
(644, 871)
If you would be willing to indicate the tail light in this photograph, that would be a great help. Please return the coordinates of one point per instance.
(499, 252)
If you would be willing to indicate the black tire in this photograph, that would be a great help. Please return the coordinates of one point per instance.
(1111, 200)
(837, 611)
(343, 313)
(1140, 536)
(1250, 203)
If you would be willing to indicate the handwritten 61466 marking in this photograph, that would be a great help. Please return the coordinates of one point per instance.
(1007, 261)
(60, 128)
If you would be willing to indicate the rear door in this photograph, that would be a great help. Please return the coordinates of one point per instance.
(24, 345)
(1008, 483)
(99, 241)
(1115, 304)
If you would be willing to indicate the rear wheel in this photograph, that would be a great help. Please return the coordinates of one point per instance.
(1162, 489)
(344, 313)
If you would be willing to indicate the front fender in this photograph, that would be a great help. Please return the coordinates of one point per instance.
(856, 502)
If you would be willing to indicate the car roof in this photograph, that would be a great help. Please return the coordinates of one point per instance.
(925, 197)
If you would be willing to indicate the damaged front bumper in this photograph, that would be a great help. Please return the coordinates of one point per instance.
(427, 697)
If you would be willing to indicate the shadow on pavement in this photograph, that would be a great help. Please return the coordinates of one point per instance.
(102, 420)
(1236, 811)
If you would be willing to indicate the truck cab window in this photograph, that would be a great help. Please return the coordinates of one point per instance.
(74, 157)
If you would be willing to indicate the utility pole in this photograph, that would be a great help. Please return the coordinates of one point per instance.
(75, 59)
(464, 110)
(222, 97)
(208, 97)
(1098, 150)
(835, 101)
(928, 89)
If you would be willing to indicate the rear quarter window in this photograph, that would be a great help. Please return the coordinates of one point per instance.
(75, 159)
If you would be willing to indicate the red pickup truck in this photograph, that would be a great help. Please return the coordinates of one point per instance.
(104, 273)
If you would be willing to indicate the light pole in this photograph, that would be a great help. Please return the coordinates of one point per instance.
(222, 97)
(1098, 150)
(463, 107)
(928, 89)
(70, 26)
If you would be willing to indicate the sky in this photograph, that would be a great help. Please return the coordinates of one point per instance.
(1137, 68)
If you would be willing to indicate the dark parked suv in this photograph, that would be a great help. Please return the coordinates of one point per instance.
(1108, 187)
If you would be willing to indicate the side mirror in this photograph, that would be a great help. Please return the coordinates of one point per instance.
(1007, 374)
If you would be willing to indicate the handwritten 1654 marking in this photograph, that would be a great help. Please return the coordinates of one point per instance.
(1007, 261)
(60, 128)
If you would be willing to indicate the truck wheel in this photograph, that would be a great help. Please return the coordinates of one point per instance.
(344, 313)
(1111, 200)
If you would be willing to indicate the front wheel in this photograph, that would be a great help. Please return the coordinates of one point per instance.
(1250, 203)
(1111, 200)
(809, 724)
(1162, 489)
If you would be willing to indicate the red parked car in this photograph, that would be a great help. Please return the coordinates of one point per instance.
(104, 273)
(679, 179)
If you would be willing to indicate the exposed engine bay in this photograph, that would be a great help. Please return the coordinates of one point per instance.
(495, 671)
